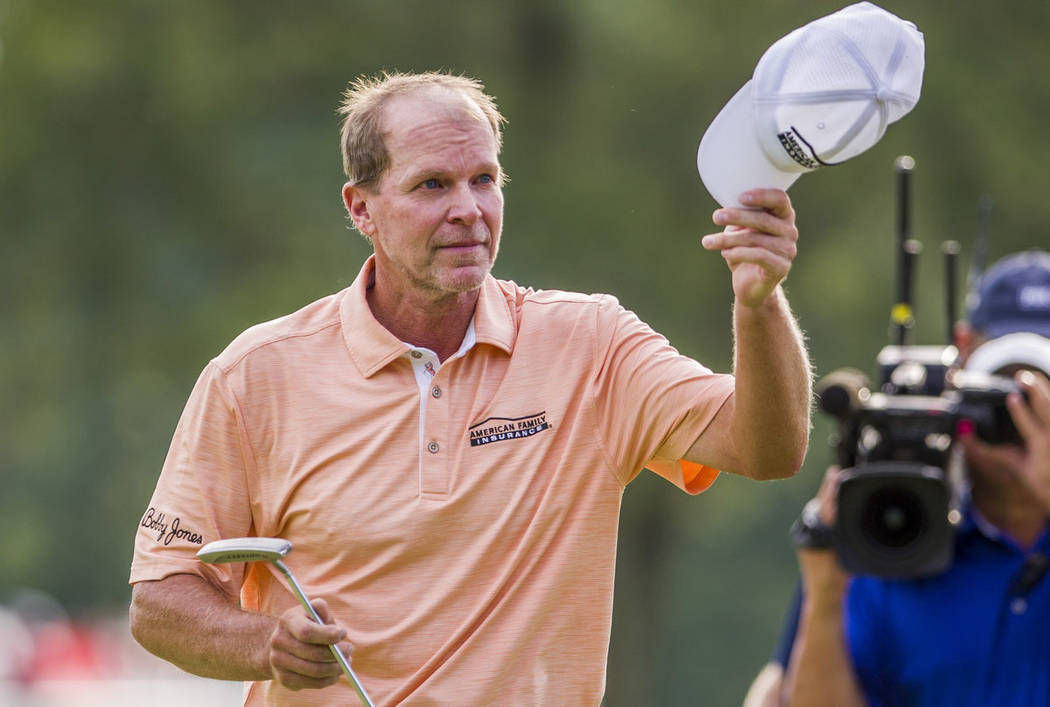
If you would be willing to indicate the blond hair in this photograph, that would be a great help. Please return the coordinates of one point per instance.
(365, 157)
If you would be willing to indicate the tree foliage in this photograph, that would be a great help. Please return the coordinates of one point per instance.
(169, 175)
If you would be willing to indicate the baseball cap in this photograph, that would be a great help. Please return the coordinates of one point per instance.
(1013, 295)
(1021, 348)
(818, 96)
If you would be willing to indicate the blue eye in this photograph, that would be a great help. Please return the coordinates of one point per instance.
(486, 179)
(431, 184)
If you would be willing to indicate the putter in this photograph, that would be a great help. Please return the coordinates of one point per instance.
(272, 550)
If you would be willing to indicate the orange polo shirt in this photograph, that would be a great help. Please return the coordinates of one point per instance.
(460, 518)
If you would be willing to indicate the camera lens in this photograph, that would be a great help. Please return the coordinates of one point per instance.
(892, 518)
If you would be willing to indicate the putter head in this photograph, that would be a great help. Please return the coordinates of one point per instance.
(244, 550)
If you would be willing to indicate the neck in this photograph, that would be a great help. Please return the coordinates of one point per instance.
(436, 324)
(1016, 514)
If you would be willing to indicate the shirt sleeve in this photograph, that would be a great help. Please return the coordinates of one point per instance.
(653, 403)
(788, 630)
(202, 492)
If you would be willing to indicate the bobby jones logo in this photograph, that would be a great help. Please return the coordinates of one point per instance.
(154, 520)
(497, 429)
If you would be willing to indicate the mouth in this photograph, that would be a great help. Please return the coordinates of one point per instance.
(463, 246)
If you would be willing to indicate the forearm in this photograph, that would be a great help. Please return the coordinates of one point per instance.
(820, 671)
(773, 383)
(191, 624)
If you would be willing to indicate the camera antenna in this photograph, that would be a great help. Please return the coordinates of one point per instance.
(950, 249)
(980, 243)
(902, 317)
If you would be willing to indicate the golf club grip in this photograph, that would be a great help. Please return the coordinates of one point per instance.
(338, 654)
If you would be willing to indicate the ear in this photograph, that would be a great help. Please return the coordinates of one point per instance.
(966, 340)
(356, 201)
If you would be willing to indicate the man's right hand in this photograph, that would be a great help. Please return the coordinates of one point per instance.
(187, 621)
(822, 575)
(299, 652)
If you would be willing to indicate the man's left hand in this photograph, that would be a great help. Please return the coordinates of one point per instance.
(759, 243)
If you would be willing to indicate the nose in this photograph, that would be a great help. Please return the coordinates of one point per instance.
(464, 206)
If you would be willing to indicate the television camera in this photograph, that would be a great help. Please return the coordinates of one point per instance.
(898, 506)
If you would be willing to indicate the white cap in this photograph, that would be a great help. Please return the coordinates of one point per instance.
(1022, 348)
(820, 95)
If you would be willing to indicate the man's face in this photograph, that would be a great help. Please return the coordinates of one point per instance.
(436, 215)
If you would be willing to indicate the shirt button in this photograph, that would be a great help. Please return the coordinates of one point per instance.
(1018, 606)
(416, 354)
(433, 447)
(436, 392)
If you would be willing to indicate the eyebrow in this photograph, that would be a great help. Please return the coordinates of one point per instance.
(413, 178)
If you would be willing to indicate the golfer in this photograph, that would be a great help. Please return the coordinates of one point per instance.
(448, 451)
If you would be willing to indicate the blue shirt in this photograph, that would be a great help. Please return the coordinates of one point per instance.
(966, 637)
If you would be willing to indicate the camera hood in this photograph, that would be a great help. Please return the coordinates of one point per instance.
(893, 520)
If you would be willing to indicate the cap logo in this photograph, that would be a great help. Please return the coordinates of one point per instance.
(795, 151)
(1034, 297)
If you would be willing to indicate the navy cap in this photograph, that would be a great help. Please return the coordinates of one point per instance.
(1013, 296)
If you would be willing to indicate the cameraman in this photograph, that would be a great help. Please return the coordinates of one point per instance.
(978, 634)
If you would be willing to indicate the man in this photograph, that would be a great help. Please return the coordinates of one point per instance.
(976, 634)
(448, 451)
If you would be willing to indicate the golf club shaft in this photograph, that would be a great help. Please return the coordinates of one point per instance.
(335, 650)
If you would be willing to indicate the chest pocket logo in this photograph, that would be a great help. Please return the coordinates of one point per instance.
(501, 429)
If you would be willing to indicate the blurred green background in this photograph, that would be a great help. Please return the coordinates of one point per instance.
(170, 175)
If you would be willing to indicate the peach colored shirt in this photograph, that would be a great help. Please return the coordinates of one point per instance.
(460, 518)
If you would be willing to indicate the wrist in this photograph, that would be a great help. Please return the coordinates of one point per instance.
(809, 531)
(260, 651)
(770, 304)
(822, 575)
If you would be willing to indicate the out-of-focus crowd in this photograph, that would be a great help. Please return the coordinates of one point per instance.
(48, 658)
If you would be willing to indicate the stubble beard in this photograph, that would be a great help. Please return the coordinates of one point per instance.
(467, 276)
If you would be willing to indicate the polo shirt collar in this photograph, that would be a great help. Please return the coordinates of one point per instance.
(372, 347)
(494, 320)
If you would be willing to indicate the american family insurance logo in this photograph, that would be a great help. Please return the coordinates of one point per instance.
(498, 429)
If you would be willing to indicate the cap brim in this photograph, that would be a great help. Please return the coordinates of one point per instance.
(1002, 327)
(730, 159)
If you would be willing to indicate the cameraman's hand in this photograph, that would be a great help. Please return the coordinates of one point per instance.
(299, 652)
(1029, 465)
(822, 574)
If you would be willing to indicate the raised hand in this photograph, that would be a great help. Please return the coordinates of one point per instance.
(758, 243)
